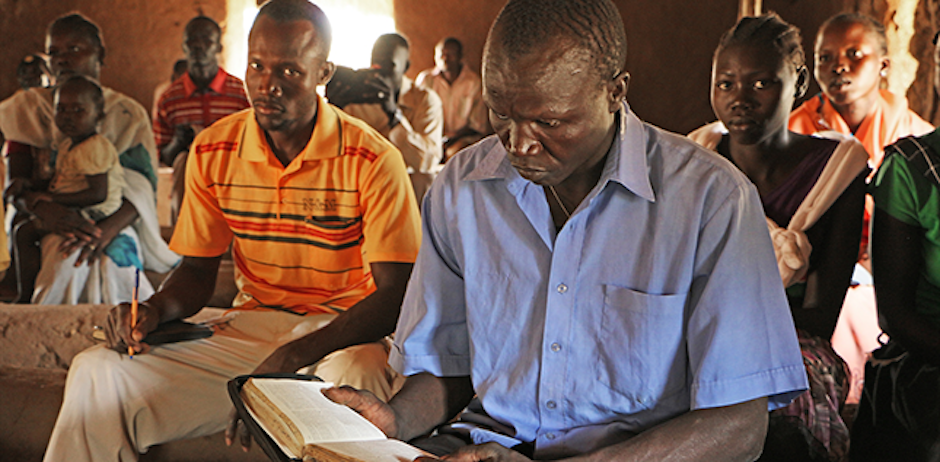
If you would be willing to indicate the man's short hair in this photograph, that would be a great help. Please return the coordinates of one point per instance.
(871, 24)
(85, 84)
(595, 25)
(81, 25)
(301, 10)
(390, 42)
(203, 19)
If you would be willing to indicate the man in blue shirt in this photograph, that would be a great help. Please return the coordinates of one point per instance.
(607, 289)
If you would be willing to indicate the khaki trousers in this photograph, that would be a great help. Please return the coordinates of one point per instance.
(116, 407)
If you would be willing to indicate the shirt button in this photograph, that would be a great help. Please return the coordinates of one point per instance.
(562, 288)
(556, 347)
(550, 436)
(551, 405)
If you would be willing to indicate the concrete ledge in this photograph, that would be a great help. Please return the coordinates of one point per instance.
(49, 336)
(34, 336)
(37, 343)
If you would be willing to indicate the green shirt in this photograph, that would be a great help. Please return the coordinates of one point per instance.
(902, 190)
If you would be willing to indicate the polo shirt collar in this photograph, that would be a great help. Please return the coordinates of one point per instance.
(217, 84)
(626, 163)
(325, 143)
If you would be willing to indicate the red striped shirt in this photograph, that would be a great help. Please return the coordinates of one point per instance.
(182, 104)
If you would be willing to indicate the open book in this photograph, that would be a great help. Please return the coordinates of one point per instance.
(307, 425)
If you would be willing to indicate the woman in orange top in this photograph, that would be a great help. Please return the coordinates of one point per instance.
(851, 61)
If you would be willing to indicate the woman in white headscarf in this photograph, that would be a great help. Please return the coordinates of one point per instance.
(89, 262)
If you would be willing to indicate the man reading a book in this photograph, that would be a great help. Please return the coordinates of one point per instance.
(323, 227)
(608, 290)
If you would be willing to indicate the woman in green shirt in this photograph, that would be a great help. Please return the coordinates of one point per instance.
(899, 415)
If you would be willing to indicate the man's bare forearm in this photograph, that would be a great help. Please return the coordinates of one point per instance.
(169, 152)
(187, 289)
(370, 320)
(732, 433)
(426, 401)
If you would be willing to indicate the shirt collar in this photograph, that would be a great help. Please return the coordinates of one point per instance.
(326, 142)
(438, 72)
(217, 84)
(626, 163)
(406, 85)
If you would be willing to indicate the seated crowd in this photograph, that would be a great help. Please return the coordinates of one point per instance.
(578, 285)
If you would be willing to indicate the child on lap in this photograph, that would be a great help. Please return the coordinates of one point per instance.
(88, 174)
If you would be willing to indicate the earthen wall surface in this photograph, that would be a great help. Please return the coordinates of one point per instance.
(670, 45)
(142, 37)
(670, 42)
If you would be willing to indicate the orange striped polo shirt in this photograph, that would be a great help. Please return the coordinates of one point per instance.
(303, 235)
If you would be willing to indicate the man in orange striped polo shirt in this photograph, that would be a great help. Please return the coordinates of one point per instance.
(203, 95)
(324, 229)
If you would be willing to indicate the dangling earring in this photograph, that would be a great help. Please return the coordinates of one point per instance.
(884, 73)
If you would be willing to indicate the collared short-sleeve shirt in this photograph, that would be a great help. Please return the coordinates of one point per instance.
(660, 295)
(181, 104)
(462, 99)
(419, 135)
(303, 235)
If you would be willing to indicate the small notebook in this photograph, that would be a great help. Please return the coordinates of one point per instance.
(169, 332)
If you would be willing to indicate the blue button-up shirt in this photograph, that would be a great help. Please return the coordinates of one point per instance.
(660, 294)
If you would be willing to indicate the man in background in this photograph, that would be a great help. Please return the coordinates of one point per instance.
(204, 94)
(411, 117)
(460, 90)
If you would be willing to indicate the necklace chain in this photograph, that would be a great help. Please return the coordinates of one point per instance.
(562, 204)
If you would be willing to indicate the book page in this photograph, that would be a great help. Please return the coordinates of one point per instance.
(375, 451)
(274, 436)
(319, 419)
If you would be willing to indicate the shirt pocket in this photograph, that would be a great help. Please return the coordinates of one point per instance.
(642, 349)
